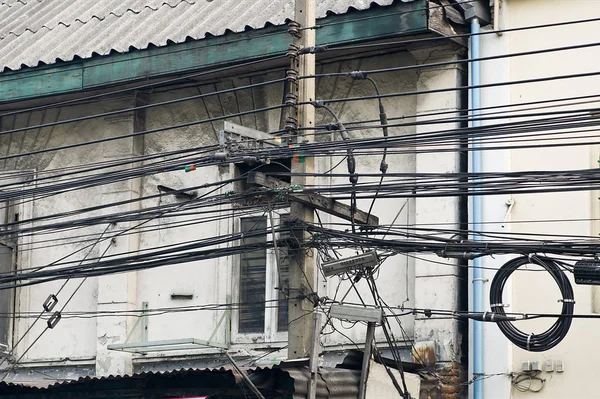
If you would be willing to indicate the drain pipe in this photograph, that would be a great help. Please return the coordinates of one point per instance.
(477, 213)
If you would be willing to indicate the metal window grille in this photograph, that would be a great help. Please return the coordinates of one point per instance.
(253, 270)
(255, 265)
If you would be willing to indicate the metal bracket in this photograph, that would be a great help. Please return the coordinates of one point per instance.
(234, 138)
(510, 202)
(166, 345)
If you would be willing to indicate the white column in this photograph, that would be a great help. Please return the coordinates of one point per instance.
(118, 292)
(437, 286)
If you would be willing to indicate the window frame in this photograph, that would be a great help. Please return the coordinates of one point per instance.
(24, 210)
(270, 332)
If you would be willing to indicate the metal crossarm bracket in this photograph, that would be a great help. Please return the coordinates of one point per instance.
(235, 138)
(317, 201)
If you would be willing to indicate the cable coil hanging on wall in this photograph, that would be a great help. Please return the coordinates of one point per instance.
(557, 332)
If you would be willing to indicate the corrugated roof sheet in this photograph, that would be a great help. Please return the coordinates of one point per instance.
(46, 31)
(333, 383)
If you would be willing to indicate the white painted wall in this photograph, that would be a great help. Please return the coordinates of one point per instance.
(535, 292)
(497, 353)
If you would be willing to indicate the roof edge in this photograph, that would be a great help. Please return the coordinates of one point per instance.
(80, 75)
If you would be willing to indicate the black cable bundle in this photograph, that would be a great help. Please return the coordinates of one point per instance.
(551, 337)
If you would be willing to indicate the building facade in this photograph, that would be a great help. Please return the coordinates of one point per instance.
(165, 96)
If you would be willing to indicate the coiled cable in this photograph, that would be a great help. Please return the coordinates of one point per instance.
(557, 332)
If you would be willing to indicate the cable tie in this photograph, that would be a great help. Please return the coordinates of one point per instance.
(567, 300)
(358, 75)
(501, 305)
(529, 341)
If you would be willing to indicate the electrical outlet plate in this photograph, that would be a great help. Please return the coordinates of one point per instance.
(560, 366)
(536, 365)
(549, 366)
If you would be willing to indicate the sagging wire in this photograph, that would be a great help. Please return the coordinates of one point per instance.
(383, 166)
(53, 320)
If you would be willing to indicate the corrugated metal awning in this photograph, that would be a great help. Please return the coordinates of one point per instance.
(47, 31)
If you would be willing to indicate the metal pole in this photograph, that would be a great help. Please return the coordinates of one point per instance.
(314, 355)
(362, 388)
(302, 274)
(245, 377)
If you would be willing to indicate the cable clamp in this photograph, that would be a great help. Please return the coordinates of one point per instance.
(499, 305)
(568, 300)
(312, 50)
(529, 341)
(358, 75)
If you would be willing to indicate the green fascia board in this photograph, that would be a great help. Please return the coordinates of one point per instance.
(359, 26)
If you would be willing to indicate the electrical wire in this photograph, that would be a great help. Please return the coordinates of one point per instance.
(559, 330)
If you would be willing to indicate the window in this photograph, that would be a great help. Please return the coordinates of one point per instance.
(7, 264)
(11, 211)
(262, 286)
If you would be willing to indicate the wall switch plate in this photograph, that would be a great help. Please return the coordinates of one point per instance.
(549, 366)
(526, 366)
(560, 366)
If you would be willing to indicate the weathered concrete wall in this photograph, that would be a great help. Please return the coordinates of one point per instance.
(208, 281)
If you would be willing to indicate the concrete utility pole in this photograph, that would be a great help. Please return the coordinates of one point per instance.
(302, 265)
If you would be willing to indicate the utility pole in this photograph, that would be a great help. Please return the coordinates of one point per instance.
(302, 266)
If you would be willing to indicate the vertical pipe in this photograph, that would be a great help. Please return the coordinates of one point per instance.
(476, 167)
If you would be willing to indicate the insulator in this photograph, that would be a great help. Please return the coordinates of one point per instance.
(291, 124)
(291, 75)
(292, 51)
(291, 100)
(294, 29)
(53, 320)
